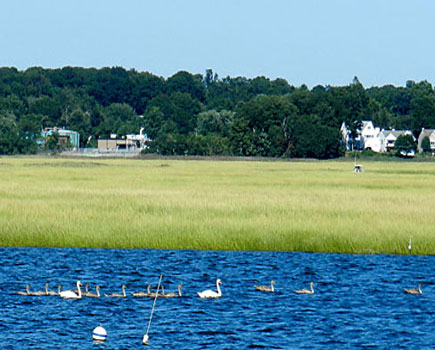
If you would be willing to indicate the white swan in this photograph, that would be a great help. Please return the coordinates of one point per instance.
(71, 294)
(266, 288)
(211, 293)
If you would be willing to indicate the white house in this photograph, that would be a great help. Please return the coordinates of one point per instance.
(370, 136)
(345, 133)
(388, 138)
(427, 133)
(374, 139)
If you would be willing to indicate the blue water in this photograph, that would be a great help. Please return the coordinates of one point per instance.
(358, 303)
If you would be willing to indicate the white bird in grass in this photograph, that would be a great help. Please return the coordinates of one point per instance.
(266, 288)
(410, 244)
(71, 294)
(211, 293)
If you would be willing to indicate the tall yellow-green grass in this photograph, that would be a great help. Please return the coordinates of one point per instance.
(319, 206)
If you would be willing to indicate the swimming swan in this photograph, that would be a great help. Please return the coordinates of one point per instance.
(161, 294)
(117, 295)
(41, 292)
(306, 291)
(413, 290)
(52, 292)
(93, 295)
(71, 294)
(143, 294)
(266, 288)
(211, 293)
(27, 292)
(173, 294)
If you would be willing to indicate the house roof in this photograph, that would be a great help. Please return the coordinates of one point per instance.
(426, 132)
(396, 133)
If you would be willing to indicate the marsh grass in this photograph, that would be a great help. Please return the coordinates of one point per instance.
(174, 204)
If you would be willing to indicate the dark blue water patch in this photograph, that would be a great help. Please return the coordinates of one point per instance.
(358, 301)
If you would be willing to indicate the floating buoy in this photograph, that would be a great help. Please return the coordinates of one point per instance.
(99, 334)
(145, 339)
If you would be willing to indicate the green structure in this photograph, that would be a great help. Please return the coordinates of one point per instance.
(67, 138)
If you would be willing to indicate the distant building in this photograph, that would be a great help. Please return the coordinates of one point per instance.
(373, 138)
(66, 138)
(128, 143)
(370, 136)
(367, 137)
(427, 133)
(388, 138)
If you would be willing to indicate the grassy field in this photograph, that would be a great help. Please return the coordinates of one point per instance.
(236, 205)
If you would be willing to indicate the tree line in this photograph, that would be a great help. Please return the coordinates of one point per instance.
(201, 114)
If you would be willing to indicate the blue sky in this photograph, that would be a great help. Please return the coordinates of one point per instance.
(306, 41)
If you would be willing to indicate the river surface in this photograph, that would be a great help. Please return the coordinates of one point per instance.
(359, 302)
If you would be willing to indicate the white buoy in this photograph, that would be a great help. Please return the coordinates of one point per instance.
(145, 339)
(99, 333)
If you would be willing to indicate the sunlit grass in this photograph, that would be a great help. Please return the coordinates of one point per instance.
(304, 206)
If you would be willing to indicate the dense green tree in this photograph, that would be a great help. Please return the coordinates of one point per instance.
(195, 114)
(214, 122)
(425, 144)
(314, 140)
(9, 136)
(184, 82)
(405, 143)
(110, 85)
(241, 138)
(266, 116)
(423, 112)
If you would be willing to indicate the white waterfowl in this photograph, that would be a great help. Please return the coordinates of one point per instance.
(413, 290)
(71, 294)
(93, 295)
(27, 292)
(117, 295)
(211, 293)
(266, 288)
(306, 291)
